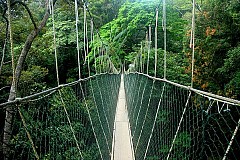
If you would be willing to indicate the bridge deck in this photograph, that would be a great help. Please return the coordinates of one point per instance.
(122, 149)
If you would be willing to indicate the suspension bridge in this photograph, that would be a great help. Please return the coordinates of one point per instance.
(123, 115)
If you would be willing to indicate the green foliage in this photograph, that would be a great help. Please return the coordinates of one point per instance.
(124, 34)
(50, 130)
(128, 29)
(176, 66)
(229, 73)
(104, 11)
(217, 33)
(31, 80)
(181, 143)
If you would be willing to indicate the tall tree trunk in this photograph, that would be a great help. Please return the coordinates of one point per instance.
(10, 110)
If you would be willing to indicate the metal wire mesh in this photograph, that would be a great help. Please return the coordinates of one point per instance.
(90, 106)
(170, 122)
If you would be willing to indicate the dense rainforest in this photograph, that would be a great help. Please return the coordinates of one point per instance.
(122, 28)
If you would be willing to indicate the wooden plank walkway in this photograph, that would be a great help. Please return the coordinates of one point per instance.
(122, 144)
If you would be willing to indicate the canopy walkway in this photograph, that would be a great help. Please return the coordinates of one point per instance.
(166, 121)
(121, 116)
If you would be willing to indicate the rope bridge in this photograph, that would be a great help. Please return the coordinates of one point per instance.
(77, 120)
(167, 121)
(73, 121)
(170, 121)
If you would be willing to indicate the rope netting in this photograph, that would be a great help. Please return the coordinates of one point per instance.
(169, 121)
(72, 122)
(173, 121)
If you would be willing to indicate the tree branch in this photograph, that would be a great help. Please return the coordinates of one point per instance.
(18, 70)
(26, 7)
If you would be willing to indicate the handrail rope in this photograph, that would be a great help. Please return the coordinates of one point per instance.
(54, 41)
(179, 125)
(42, 96)
(70, 123)
(18, 100)
(203, 93)
(156, 37)
(28, 134)
(192, 42)
(211, 97)
(90, 118)
(145, 117)
(155, 119)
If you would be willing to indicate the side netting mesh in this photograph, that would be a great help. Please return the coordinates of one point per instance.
(171, 122)
(73, 122)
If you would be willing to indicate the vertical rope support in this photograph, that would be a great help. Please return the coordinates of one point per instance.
(156, 52)
(165, 38)
(90, 119)
(94, 53)
(95, 59)
(28, 134)
(155, 119)
(149, 46)
(87, 44)
(145, 50)
(98, 115)
(101, 59)
(231, 141)
(70, 124)
(78, 52)
(192, 42)
(179, 125)
(11, 41)
(145, 117)
(54, 41)
(141, 58)
(91, 37)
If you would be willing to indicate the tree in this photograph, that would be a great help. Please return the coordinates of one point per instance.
(217, 32)
(18, 70)
(125, 33)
